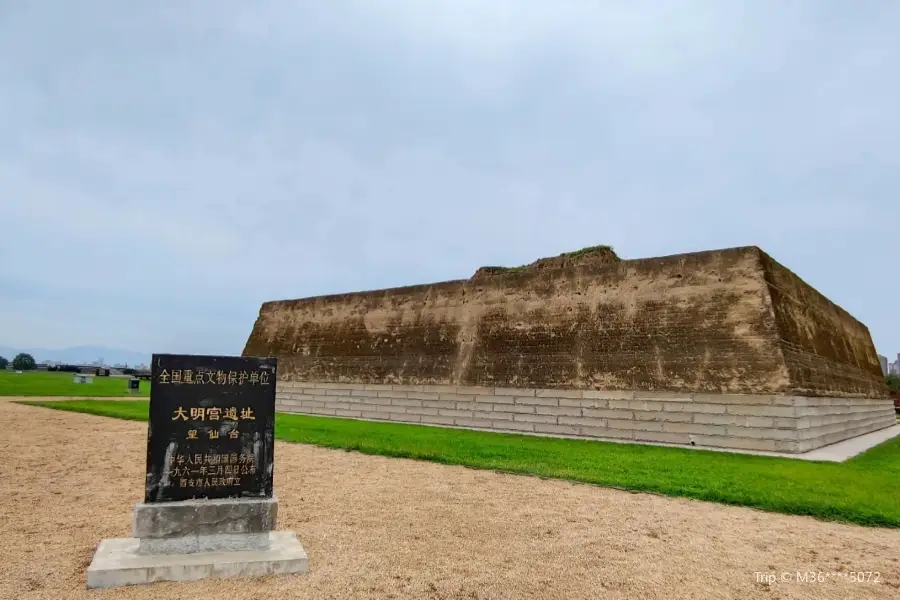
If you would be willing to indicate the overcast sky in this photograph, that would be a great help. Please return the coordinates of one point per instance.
(168, 165)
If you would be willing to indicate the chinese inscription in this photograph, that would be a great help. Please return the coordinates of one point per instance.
(206, 376)
(214, 413)
(211, 470)
(211, 431)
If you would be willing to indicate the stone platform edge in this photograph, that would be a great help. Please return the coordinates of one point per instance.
(118, 563)
(767, 423)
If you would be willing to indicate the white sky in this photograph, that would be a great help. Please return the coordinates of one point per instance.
(167, 166)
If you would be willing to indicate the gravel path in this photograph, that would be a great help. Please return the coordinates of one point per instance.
(386, 528)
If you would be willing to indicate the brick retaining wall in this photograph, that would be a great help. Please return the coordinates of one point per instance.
(764, 422)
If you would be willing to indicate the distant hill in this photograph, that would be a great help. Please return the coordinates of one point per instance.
(80, 354)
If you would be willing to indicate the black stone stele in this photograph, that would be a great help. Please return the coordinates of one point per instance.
(212, 427)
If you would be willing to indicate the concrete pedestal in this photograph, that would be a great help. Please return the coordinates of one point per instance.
(195, 539)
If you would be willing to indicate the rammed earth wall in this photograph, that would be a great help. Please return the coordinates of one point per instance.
(727, 346)
(724, 321)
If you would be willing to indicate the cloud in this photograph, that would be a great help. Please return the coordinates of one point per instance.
(187, 164)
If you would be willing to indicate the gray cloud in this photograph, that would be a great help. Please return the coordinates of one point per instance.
(281, 149)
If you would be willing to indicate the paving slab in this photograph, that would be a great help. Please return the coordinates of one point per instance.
(847, 449)
(837, 452)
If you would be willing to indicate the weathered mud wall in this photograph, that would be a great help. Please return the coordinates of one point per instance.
(701, 322)
(826, 350)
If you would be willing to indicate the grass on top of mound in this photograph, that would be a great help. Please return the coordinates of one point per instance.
(863, 490)
(55, 383)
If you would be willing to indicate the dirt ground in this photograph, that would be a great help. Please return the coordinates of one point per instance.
(386, 528)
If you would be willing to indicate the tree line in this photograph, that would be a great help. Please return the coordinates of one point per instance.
(893, 382)
(21, 362)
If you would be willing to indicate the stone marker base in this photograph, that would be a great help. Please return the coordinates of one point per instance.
(117, 562)
(195, 539)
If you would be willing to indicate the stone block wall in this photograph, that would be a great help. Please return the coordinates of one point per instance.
(776, 423)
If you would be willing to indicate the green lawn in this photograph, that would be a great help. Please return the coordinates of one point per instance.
(864, 490)
(46, 383)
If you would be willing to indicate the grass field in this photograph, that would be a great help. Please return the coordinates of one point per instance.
(863, 490)
(45, 383)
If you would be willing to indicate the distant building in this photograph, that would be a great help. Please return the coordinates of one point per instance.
(885, 367)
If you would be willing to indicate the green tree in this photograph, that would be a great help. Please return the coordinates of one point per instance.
(3, 363)
(24, 362)
(893, 382)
